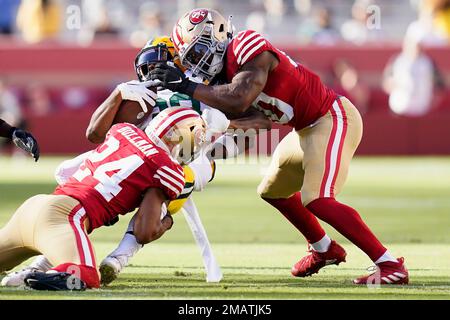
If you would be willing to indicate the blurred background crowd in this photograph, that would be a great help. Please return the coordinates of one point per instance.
(63, 56)
(323, 22)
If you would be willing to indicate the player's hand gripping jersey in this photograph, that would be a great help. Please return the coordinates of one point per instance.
(293, 95)
(113, 179)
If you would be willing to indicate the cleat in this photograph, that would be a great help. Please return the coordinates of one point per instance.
(386, 273)
(315, 261)
(110, 268)
(16, 279)
(54, 281)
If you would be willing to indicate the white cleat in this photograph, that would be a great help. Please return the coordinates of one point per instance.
(110, 268)
(16, 279)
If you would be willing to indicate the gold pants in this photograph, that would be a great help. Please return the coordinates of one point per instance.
(52, 225)
(315, 160)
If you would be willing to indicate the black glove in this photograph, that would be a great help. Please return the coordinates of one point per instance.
(26, 141)
(173, 79)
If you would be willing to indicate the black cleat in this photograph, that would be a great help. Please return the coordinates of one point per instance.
(57, 281)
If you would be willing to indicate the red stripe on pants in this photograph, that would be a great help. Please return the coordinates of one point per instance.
(328, 153)
(77, 235)
(341, 146)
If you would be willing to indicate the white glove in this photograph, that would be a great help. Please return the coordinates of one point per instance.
(227, 141)
(137, 91)
(216, 122)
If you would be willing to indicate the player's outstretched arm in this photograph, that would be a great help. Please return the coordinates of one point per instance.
(148, 225)
(22, 139)
(103, 117)
(235, 97)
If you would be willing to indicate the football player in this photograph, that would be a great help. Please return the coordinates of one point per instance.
(310, 165)
(22, 139)
(130, 169)
(197, 174)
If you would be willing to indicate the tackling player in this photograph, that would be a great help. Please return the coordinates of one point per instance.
(310, 165)
(197, 174)
(130, 169)
(200, 172)
(22, 139)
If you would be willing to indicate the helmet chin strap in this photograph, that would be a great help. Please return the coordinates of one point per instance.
(230, 28)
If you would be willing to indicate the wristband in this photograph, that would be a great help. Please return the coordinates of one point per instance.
(11, 132)
(189, 87)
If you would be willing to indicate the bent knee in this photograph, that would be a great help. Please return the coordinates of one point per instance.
(268, 191)
(308, 197)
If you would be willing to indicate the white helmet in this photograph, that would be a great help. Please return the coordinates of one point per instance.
(201, 38)
(181, 131)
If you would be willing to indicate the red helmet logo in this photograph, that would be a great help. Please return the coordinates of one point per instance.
(198, 15)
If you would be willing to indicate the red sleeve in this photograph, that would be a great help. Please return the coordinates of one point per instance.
(169, 177)
(247, 45)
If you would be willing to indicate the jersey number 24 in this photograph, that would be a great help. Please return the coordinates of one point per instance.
(109, 185)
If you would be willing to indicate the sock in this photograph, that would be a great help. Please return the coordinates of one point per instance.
(41, 263)
(322, 245)
(87, 274)
(293, 209)
(386, 257)
(348, 223)
(128, 246)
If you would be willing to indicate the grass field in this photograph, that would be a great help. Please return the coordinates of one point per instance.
(405, 200)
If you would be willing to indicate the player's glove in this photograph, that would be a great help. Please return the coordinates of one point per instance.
(138, 91)
(216, 121)
(173, 79)
(26, 142)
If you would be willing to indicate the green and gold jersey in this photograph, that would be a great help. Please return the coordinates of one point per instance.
(167, 99)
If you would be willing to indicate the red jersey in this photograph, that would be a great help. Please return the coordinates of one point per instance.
(114, 178)
(293, 95)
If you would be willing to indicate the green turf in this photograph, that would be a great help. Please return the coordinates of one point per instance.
(405, 200)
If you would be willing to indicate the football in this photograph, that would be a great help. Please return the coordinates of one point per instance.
(131, 112)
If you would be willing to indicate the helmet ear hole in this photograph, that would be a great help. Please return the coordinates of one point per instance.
(221, 28)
